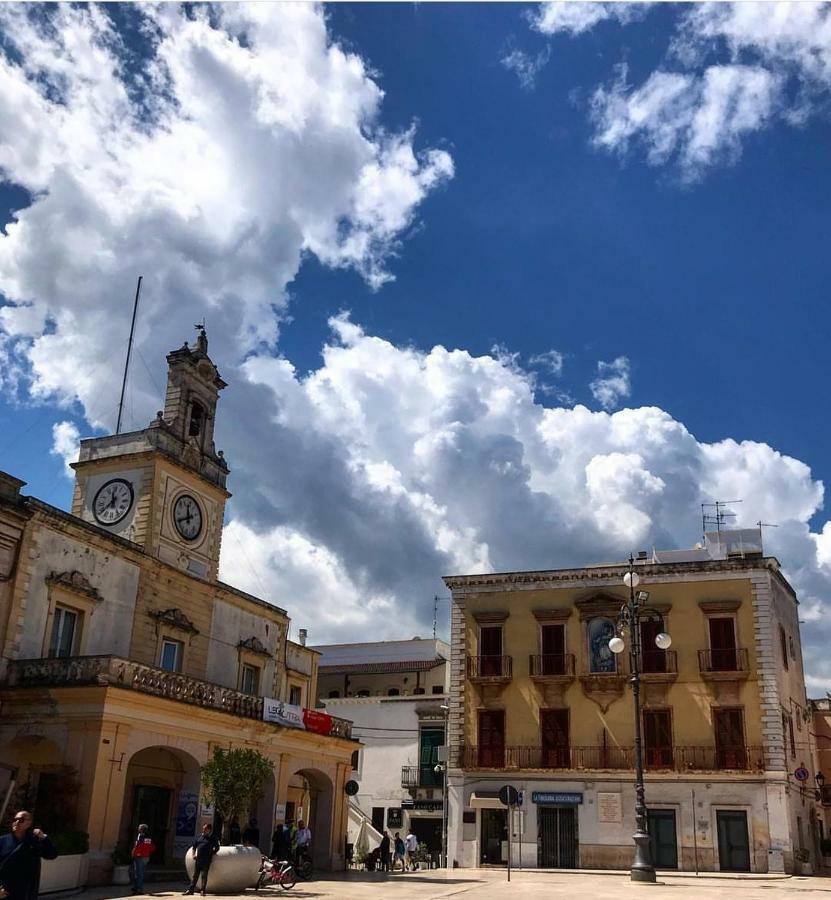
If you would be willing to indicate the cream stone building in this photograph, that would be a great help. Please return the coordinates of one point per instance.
(125, 661)
(538, 701)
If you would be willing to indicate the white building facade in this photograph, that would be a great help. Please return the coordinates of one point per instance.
(395, 694)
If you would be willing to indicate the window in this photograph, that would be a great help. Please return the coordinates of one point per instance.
(791, 737)
(333, 695)
(171, 656)
(490, 650)
(657, 733)
(552, 648)
(555, 738)
(250, 680)
(64, 626)
(783, 643)
(362, 693)
(393, 692)
(791, 645)
(295, 695)
(378, 818)
(438, 688)
(430, 740)
(723, 656)
(419, 691)
(601, 658)
(492, 738)
(653, 659)
(728, 725)
(197, 418)
(356, 757)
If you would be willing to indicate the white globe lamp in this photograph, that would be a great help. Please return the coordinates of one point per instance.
(663, 641)
(616, 645)
(631, 579)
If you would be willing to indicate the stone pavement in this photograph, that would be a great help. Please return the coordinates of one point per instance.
(490, 884)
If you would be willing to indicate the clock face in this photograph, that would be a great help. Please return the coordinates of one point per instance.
(113, 501)
(187, 517)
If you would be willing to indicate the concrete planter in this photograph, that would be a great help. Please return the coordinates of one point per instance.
(121, 875)
(233, 869)
(66, 873)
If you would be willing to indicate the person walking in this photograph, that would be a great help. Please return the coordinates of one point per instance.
(251, 835)
(143, 849)
(303, 840)
(411, 846)
(281, 843)
(204, 848)
(400, 852)
(234, 833)
(384, 849)
(20, 856)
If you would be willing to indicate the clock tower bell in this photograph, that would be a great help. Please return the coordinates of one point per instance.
(164, 487)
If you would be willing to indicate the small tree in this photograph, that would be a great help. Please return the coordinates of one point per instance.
(233, 781)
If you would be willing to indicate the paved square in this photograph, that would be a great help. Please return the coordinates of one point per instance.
(481, 884)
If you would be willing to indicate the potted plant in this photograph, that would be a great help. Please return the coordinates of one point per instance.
(69, 871)
(121, 863)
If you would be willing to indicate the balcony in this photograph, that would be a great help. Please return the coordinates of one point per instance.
(723, 665)
(113, 671)
(490, 669)
(659, 665)
(413, 777)
(670, 759)
(546, 667)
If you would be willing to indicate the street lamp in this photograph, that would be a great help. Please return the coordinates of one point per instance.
(442, 767)
(629, 619)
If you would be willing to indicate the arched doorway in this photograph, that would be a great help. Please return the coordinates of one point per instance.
(311, 795)
(162, 792)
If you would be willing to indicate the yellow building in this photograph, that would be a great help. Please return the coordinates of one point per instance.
(125, 661)
(540, 702)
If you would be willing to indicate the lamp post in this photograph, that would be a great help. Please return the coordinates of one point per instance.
(629, 619)
(442, 768)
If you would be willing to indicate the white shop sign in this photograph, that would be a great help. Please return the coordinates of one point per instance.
(283, 713)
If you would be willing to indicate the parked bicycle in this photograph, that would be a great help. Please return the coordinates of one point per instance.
(303, 867)
(273, 871)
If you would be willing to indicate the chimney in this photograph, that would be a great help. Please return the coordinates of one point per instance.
(302, 635)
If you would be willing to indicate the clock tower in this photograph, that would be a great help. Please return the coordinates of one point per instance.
(163, 488)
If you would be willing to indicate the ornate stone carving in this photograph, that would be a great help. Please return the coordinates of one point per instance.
(253, 644)
(603, 688)
(175, 618)
(74, 581)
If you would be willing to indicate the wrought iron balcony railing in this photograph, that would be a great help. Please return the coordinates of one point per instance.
(413, 777)
(490, 668)
(551, 665)
(675, 759)
(113, 671)
(733, 659)
(659, 662)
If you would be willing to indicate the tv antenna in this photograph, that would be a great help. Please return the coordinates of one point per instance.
(719, 515)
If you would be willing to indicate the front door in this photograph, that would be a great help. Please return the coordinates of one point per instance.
(733, 843)
(557, 837)
(492, 739)
(151, 807)
(663, 839)
(494, 843)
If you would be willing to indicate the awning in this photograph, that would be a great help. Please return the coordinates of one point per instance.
(486, 800)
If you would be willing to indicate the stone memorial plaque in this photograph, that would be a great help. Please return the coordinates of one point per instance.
(609, 807)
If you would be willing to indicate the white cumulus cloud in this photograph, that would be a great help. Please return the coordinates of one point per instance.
(577, 16)
(613, 382)
(65, 437)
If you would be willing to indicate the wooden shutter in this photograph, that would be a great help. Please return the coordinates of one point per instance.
(657, 728)
(554, 732)
(492, 738)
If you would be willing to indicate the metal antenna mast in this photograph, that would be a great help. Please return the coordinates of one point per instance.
(719, 516)
(435, 613)
(129, 351)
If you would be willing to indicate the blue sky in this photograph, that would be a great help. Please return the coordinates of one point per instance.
(667, 219)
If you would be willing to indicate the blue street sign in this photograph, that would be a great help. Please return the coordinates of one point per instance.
(556, 798)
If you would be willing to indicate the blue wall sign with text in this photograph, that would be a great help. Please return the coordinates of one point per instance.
(556, 798)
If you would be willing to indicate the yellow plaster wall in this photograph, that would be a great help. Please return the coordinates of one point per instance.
(689, 697)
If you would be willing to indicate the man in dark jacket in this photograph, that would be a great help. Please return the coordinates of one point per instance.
(20, 856)
(203, 848)
(384, 849)
(251, 834)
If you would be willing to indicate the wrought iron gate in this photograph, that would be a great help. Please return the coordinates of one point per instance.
(557, 837)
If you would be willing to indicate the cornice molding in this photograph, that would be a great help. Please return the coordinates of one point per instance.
(551, 615)
(717, 606)
(76, 582)
(175, 618)
(495, 616)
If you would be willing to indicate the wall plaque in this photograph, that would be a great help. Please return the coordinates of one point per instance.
(609, 807)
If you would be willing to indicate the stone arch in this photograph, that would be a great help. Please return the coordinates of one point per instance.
(317, 803)
(161, 790)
